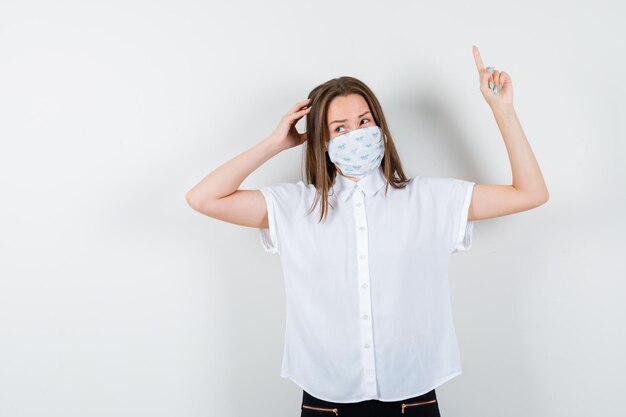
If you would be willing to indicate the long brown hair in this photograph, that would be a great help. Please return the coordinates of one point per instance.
(320, 170)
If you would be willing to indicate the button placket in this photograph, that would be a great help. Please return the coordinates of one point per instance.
(365, 301)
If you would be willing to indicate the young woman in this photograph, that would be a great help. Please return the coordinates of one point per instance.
(369, 328)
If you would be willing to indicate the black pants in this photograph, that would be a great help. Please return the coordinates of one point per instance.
(424, 405)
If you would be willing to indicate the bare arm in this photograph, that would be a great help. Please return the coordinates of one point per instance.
(528, 189)
(218, 195)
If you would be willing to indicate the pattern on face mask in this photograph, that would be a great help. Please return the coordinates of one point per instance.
(357, 152)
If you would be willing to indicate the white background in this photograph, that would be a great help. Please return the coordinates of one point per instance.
(117, 299)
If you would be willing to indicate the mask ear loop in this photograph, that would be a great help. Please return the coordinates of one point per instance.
(382, 133)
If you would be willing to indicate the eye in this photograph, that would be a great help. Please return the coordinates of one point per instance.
(337, 131)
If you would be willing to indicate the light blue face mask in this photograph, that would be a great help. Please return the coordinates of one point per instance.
(358, 152)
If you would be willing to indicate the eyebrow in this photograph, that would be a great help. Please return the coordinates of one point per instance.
(339, 121)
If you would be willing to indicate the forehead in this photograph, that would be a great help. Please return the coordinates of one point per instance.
(346, 107)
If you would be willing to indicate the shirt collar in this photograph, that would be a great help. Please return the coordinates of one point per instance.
(370, 184)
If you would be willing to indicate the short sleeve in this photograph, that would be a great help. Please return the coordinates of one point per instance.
(460, 199)
(451, 198)
(282, 201)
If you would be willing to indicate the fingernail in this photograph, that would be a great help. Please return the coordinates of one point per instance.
(490, 84)
(500, 86)
(495, 90)
(489, 69)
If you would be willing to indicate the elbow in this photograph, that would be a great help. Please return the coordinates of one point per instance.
(545, 196)
(192, 200)
(201, 205)
(535, 198)
(542, 198)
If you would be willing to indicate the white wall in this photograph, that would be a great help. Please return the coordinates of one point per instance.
(117, 299)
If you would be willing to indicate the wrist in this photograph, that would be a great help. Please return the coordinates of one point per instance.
(272, 145)
(503, 109)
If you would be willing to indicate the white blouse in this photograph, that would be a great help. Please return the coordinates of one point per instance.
(368, 312)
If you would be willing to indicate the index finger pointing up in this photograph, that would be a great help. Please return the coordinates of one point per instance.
(478, 59)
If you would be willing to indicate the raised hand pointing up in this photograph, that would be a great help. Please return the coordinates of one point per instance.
(496, 86)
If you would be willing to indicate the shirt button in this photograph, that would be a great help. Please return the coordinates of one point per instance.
(358, 204)
(364, 285)
(361, 228)
(364, 316)
(362, 256)
(367, 345)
